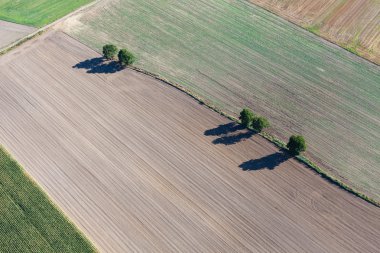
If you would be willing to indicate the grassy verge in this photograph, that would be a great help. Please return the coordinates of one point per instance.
(20, 42)
(37, 13)
(279, 143)
(313, 29)
(306, 161)
(29, 221)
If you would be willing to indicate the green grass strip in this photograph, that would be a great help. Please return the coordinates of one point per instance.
(29, 221)
(37, 13)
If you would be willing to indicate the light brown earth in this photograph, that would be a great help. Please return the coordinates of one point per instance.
(301, 83)
(140, 166)
(10, 32)
(353, 24)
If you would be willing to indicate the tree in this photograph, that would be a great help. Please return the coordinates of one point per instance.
(125, 57)
(296, 144)
(246, 117)
(259, 123)
(109, 51)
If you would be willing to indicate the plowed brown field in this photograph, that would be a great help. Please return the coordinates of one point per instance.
(234, 54)
(10, 32)
(352, 24)
(140, 166)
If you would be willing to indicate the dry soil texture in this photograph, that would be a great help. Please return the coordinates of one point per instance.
(10, 32)
(353, 24)
(140, 166)
(235, 54)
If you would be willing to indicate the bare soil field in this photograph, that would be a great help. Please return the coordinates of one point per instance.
(140, 166)
(10, 32)
(234, 54)
(352, 24)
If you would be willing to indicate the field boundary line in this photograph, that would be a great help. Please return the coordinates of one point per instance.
(43, 29)
(49, 199)
(315, 34)
(269, 137)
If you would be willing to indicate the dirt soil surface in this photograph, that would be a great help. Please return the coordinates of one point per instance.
(140, 166)
(352, 24)
(10, 32)
(234, 54)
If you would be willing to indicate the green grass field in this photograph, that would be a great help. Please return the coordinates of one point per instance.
(29, 222)
(37, 13)
(235, 54)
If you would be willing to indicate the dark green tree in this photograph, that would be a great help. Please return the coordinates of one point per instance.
(259, 123)
(125, 57)
(246, 117)
(296, 144)
(109, 51)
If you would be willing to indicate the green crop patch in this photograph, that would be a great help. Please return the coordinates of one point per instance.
(37, 13)
(29, 222)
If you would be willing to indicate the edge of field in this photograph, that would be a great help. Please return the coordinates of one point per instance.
(18, 176)
(43, 29)
(354, 52)
(48, 19)
(271, 138)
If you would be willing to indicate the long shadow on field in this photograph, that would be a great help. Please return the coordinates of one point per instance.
(224, 129)
(99, 66)
(267, 162)
(227, 133)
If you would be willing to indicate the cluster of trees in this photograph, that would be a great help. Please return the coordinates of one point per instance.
(296, 143)
(250, 120)
(124, 56)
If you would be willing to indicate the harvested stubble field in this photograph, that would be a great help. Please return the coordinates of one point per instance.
(140, 166)
(10, 32)
(353, 24)
(37, 13)
(235, 54)
(29, 222)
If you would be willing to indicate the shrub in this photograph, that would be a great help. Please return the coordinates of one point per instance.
(125, 57)
(246, 117)
(109, 51)
(296, 144)
(259, 123)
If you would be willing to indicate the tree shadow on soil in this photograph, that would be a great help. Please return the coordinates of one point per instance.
(227, 135)
(224, 129)
(267, 162)
(99, 66)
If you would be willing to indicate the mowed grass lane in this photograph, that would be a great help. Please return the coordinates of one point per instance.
(235, 54)
(29, 222)
(37, 13)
